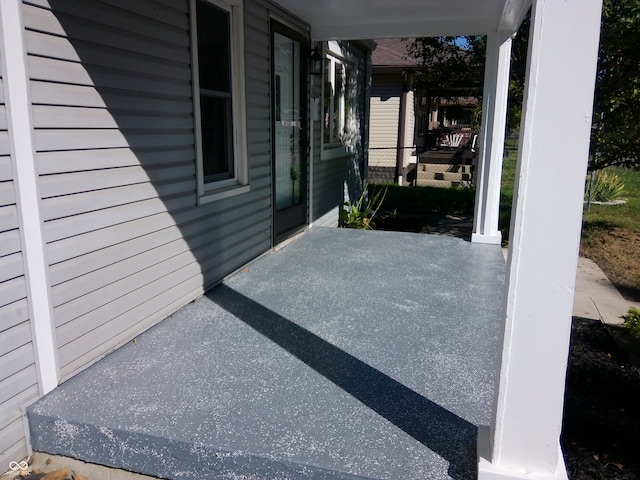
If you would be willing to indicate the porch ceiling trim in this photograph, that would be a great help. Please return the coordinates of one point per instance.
(354, 19)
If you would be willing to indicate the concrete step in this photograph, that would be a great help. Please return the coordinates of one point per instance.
(446, 156)
(443, 167)
(452, 176)
(440, 183)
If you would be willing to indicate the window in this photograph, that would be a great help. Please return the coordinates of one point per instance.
(337, 102)
(218, 79)
(423, 115)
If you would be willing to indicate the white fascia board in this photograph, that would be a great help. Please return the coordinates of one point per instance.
(513, 13)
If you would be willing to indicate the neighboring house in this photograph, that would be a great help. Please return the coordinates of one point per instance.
(406, 122)
(144, 156)
(119, 203)
(392, 132)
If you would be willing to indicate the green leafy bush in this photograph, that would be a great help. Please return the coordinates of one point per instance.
(632, 321)
(361, 214)
(425, 200)
(606, 187)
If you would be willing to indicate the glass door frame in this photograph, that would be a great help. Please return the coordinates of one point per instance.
(288, 222)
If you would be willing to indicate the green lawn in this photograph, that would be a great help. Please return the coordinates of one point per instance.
(610, 233)
(622, 216)
(611, 237)
(506, 191)
(599, 217)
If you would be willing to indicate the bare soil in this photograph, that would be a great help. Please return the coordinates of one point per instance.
(617, 253)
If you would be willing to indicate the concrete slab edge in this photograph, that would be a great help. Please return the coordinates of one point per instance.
(161, 457)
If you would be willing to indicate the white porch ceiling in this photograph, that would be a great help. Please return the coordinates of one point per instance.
(371, 19)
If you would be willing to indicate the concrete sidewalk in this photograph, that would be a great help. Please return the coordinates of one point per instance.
(596, 298)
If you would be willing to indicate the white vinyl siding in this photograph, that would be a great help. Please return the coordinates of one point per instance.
(386, 91)
(18, 377)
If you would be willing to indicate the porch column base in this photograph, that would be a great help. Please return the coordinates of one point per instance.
(488, 471)
(495, 239)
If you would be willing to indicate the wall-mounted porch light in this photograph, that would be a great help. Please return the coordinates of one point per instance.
(316, 61)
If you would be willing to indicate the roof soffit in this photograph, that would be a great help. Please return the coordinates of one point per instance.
(352, 19)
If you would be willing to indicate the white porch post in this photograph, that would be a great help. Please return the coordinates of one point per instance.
(523, 441)
(494, 120)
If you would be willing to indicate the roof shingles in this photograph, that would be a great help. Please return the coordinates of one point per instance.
(392, 52)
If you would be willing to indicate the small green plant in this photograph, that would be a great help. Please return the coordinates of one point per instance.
(361, 214)
(632, 321)
(606, 187)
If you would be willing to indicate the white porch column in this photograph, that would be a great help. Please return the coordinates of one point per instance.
(523, 440)
(494, 121)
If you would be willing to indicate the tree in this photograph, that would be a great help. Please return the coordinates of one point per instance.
(519, 49)
(449, 66)
(454, 66)
(615, 138)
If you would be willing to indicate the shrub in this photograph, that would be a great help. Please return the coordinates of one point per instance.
(361, 214)
(425, 200)
(606, 187)
(632, 321)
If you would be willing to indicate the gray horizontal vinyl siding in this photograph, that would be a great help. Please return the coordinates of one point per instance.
(112, 110)
(386, 91)
(342, 178)
(18, 378)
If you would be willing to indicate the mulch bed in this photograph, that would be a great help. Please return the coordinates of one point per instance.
(601, 428)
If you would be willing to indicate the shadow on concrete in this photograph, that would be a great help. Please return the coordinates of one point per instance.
(443, 432)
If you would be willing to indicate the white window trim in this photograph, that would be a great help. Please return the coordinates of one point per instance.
(337, 149)
(240, 181)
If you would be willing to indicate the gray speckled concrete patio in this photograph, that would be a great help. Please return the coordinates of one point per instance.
(345, 354)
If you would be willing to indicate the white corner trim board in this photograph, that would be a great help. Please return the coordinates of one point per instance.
(20, 131)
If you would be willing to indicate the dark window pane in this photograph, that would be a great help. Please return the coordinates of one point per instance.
(338, 112)
(214, 52)
(217, 153)
(327, 101)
